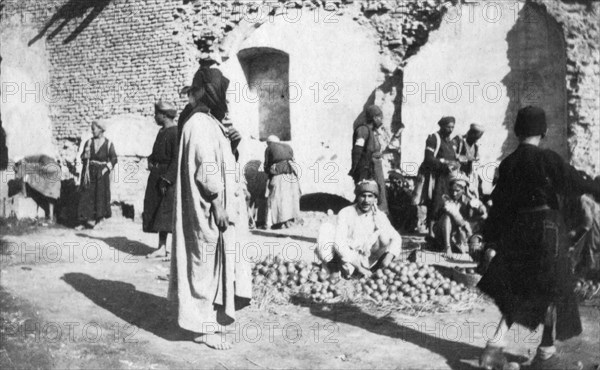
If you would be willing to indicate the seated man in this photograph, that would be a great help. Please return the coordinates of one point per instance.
(460, 214)
(363, 238)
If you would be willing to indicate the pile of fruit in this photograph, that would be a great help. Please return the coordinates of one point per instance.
(412, 281)
(401, 281)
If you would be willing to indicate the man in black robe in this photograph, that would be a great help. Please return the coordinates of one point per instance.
(162, 163)
(530, 278)
(439, 162)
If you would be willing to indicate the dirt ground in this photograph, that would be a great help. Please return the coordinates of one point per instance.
(90, 299)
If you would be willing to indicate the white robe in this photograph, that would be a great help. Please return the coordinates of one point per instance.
(207, 276)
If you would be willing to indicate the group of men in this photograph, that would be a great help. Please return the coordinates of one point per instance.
(447, 185)
(529, 279)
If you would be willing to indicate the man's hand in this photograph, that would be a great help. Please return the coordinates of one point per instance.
(234, 135)
(387, 260)
(220, 215)
(364, 271)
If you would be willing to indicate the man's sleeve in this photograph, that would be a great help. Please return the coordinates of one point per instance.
(431, 162)
(568, 178)
(112, 156)
(342, 244)
(362, 135)
(499, 214)
(389, 235)
(205, 155)
(173, 149)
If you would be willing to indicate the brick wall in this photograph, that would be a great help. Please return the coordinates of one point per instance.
(106, 57)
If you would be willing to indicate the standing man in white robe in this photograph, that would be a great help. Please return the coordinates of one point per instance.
(210, 279)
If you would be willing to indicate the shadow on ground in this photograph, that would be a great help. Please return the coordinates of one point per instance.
(123, 244)
(458, 355)
(146, 311)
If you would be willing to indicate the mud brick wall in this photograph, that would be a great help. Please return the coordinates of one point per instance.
(106, 57)
(579, 21)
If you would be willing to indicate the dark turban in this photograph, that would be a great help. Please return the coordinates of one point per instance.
(372, 112)
(446, 120)
(531, 121)
(215, 86)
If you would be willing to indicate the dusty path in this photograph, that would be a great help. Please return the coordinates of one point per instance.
(90, 299)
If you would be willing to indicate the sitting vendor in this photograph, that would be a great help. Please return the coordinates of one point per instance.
(363, 238)
(459, 216)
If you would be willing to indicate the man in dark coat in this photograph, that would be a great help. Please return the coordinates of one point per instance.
(530, 278)
(366, 153)
(440, 160)
(162, 163)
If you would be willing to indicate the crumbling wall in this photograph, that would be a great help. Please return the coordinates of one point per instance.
(579, 22)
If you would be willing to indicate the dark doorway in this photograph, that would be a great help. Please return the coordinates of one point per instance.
(267, 73)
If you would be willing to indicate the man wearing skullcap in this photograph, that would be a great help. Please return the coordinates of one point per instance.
(283, 186)
(207, 282)
(99, 158)
(162, 163)
(440, 160)
(363, 238)
(467, 150)
(459, 216)
(530, 278)
(366, 153)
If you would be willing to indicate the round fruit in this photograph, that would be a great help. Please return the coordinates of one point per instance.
(393, 297)
(384, 295)
(439, 291)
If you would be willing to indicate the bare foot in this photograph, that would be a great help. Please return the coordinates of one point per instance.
(448, 253)
(215, 341)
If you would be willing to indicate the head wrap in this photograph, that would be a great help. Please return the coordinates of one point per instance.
(531, 121)
(100, 124)
(367, 186)
(273, 139)
(372, 112)
(459, 178)
(476, 128)
(215, 90)
(446, 120)
(167, 108)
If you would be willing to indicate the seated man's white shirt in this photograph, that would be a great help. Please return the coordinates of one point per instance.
(365, 237)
